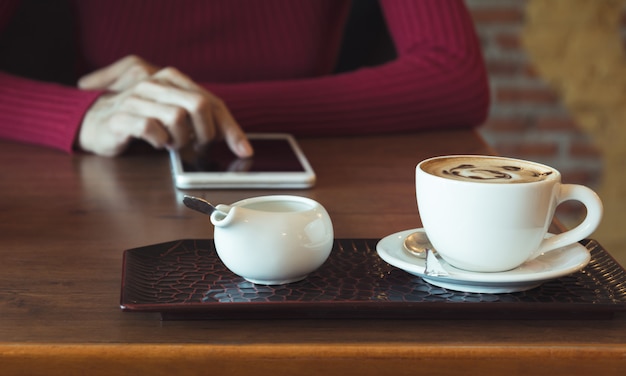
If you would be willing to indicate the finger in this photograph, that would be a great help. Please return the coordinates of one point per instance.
(102, 78)
(225, 122)
(196, 104)
(210, 116)
(113, 136)
(234, 136)
(105, 77)
(177, 78)
(130, 77)
(124, 125)
(197, 101)
(173, 118)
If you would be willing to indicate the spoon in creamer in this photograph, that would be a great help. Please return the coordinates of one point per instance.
(418, 245)
(201, 205)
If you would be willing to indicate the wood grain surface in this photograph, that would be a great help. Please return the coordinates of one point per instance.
(65, 221)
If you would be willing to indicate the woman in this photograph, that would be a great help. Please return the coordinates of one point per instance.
(169, 72)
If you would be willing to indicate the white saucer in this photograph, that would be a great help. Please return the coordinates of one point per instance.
(551, 265)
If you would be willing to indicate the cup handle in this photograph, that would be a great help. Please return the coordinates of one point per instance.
(594, 207)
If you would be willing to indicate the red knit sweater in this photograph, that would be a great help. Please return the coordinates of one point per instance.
(271, 61)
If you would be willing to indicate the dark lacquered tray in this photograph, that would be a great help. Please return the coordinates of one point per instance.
(185, 280)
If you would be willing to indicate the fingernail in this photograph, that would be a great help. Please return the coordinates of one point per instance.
(244, 149)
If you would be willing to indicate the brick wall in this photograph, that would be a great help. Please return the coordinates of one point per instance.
(527, 117)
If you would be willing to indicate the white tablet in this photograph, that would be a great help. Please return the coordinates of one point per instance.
(278, 162)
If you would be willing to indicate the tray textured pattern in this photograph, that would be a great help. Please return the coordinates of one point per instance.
(185, 279)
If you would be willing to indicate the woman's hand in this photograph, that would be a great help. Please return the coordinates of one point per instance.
(161, 106)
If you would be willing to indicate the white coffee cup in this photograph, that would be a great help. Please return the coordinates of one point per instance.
(492, 214)
(273, 240)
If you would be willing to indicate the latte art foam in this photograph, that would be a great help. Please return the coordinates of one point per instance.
(487, 170)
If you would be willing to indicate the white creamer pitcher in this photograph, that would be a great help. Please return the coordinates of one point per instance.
(273, 240)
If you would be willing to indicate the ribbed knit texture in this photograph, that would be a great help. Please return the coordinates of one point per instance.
(271, 62)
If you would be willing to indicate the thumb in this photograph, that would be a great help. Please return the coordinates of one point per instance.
(98, 80)
(104, 78)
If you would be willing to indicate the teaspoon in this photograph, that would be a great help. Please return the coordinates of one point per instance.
(418, 245)
(198, 204)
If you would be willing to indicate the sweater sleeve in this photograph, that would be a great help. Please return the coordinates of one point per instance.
(39, 112)
(437, 81)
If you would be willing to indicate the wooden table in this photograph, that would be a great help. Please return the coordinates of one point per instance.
(66, 220)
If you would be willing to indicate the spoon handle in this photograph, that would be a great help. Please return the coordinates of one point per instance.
(198, 204)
